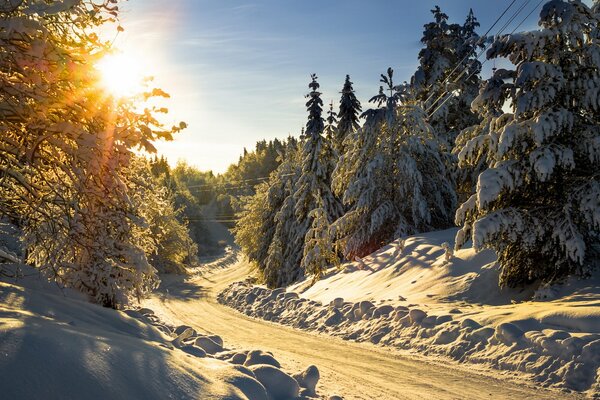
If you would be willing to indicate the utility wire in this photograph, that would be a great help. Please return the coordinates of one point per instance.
(465, 70)
(468, 55)
(513, 31)
(262, 178)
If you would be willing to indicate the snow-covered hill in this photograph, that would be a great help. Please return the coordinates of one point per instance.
(54, 344)
(56, 347)
(416, 294)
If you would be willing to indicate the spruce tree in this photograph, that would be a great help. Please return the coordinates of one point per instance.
(392, 178)
(538, 202)
(258, 225)
(313, 187)
(443, 91)
(349, 112)
(319, 250)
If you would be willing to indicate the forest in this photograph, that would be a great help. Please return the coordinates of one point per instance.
(513, 159)
(452, 217)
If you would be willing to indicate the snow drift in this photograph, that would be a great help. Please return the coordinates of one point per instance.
(417, 294)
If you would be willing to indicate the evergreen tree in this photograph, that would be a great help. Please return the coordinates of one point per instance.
(538, 202)
(313, 188)
(268, 222)
(331, 126)
(315, 155)
(392, 177)
(349, 112)
(319, 253)
(443, 91)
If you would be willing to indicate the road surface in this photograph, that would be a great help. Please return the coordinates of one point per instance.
(353, 370)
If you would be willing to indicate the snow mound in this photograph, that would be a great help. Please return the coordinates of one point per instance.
(56, 347)
(424, 299)
(54, 344)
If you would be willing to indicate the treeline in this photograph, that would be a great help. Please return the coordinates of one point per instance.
(93, 216)
(226, 191)
(514, 159)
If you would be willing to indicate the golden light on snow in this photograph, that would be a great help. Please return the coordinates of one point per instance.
(121, 74)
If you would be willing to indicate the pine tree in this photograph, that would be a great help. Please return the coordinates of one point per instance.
(443, 91)
(316, 155)
(392, 177)
(268, 222)
(349, 112)
(330, 131)
(313, 187)
(319, 253)
(538, 202)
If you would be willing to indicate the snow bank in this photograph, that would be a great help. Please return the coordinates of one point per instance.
(54, 344)
(58, 347)
(413, 295)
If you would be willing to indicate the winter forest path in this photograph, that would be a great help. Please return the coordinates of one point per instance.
(353, 370)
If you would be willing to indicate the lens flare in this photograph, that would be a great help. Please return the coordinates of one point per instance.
(121, 74)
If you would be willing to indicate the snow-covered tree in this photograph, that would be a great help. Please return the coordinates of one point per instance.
(538, 202)
(313, 189)
(319, 250)
(315, 160)
(330, 130)
(65, 149)
(349, 112)
(286, 249)
(489, 107)
(173, 248)
(268, 222)
(392, 178)
(447, 79)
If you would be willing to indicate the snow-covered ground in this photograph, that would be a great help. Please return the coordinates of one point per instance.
(416, 295)
(54, 344)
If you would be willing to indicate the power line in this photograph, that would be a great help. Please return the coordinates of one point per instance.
(262, 178)
(213, 220)
(530, 12)
(513, 31)
(468, 55)
(449, 93)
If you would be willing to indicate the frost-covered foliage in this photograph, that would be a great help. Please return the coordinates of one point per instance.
(488, 105)
(274, 228)
(392, 178)
(65, 149)
(349, 112)
(331, 130)
(448, 68)
(268, 222)
(174, 249)
(313, 190)
(319, 250)
(537, 202)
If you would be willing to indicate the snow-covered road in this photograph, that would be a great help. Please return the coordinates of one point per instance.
(353, 370)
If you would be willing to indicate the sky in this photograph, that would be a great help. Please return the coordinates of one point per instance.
(237, 71)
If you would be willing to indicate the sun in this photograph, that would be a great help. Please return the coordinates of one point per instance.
(121, 75)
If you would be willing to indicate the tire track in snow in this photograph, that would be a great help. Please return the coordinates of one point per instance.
(355, 370)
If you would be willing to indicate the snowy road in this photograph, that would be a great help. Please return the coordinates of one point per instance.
(356, 371)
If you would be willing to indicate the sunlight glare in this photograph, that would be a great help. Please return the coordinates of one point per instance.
(121, 74)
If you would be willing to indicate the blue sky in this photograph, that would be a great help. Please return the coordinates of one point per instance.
(238, 71)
